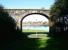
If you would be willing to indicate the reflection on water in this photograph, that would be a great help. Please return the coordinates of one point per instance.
(44, 28)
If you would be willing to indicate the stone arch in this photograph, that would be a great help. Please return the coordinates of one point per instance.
(32, 14)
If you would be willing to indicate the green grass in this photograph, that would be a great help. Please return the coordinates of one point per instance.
(42, 42)
(30, 30)
(39, 43)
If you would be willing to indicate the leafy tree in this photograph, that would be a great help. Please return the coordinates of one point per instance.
(59, 11)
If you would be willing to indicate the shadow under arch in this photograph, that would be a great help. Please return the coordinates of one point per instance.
(32, 14)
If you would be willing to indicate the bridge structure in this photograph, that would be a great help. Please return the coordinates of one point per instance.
(20, 14)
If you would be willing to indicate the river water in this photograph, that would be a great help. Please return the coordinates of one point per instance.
(37, 28)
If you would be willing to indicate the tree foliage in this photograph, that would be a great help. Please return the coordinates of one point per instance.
(59, 14)
(60, 8)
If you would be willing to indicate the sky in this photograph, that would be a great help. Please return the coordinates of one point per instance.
(35, 18)
(27, 4)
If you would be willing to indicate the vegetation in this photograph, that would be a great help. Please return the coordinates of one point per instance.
(31, 30)
(59, 30)
(59, 15)
(59, 8)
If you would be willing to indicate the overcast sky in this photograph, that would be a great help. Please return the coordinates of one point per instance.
(26, 4)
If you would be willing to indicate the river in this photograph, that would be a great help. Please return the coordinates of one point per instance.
(37, 28)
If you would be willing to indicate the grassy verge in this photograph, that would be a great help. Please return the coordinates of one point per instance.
(39, 42)
(30, 30)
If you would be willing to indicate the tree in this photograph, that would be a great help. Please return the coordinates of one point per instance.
(59, 12)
